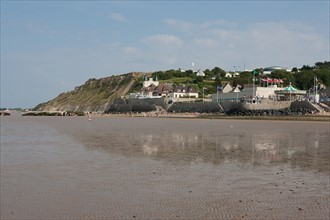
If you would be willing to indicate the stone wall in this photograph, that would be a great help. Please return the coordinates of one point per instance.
(265, 104)
(153, 101)
(195, 107)
(229, 105)
(296, 108)
(130, 108)
(266, 107)
(135, 105)
(302, 105)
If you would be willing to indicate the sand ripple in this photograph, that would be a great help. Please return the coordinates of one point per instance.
(141, 169)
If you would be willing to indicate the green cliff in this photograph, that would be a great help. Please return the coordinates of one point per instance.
(95, 94)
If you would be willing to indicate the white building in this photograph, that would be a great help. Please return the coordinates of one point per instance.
(236, 94)
(270, 69)
(184, 91)
(232, 74)
(200, 73)
(148, 82)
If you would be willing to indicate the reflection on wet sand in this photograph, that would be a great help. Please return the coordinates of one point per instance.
(149, 168)
(260, 149)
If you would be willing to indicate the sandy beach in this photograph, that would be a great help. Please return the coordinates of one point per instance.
(163, 168)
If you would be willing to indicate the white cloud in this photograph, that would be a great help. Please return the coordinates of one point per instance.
(131, 50)
(180, 25)
(219, 32)
(163, 39)
(259, 44)
(185, 26)
(206, 42)
(118, 17)
(256, 45)
(284, 39)
(218, 23)
(40, 28)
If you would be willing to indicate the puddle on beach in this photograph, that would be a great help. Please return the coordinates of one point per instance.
(153, 168)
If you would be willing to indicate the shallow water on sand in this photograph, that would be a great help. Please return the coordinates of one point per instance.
(153, 168)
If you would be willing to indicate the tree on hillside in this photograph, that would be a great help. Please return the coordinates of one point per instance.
(324, 65)
(280, 74)
(190, 73)
(287, 77)
(240, 81)
(245, 74)
(294, 70)
(304, 79)
(306, 67)
(218, 71)
(199, 79)
(257, 71)
(179, 73)
(217, 80)
(323, 76)
(208, 72)
(170, 72)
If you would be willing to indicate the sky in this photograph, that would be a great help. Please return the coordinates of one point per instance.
(50, 47)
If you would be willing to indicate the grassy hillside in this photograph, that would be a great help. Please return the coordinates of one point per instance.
(94, 95)
(97, 94)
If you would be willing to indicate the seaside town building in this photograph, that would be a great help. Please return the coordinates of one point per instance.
(270, 69)
(200, 73)
(183, 91)
(148, 82)
(153, 89)
(273, 92)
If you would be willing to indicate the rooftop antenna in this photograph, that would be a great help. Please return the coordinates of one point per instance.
(192, 65)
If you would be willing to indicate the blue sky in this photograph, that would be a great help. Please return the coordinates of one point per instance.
(49, 47)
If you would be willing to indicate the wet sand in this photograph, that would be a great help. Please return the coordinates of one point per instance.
(157, 168)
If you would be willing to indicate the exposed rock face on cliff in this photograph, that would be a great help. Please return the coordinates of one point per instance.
(94, 95)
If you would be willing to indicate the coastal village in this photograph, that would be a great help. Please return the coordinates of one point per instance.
(265, 94)
(165, 110)
(268, 95)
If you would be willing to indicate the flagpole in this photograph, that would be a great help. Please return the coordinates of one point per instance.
(314, 89)
(253, 85)
(314, 83)
(290, 91)
(254, 73)
(315, 86)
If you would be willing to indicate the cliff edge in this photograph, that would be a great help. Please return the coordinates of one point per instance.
(95, 94)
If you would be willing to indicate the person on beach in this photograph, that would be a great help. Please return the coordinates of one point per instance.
(88, 114)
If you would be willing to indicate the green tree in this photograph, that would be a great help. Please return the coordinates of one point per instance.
(190, 73)
(324, 65)
(287, 77)
(217, 80)
(257, 71)
(199, 79)
(294, 70)
(304, 79)
(208, 72)
(280, 74)
(246, 75)
(323, 76)
(218, 71)
(306, 67)
(240, 81)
